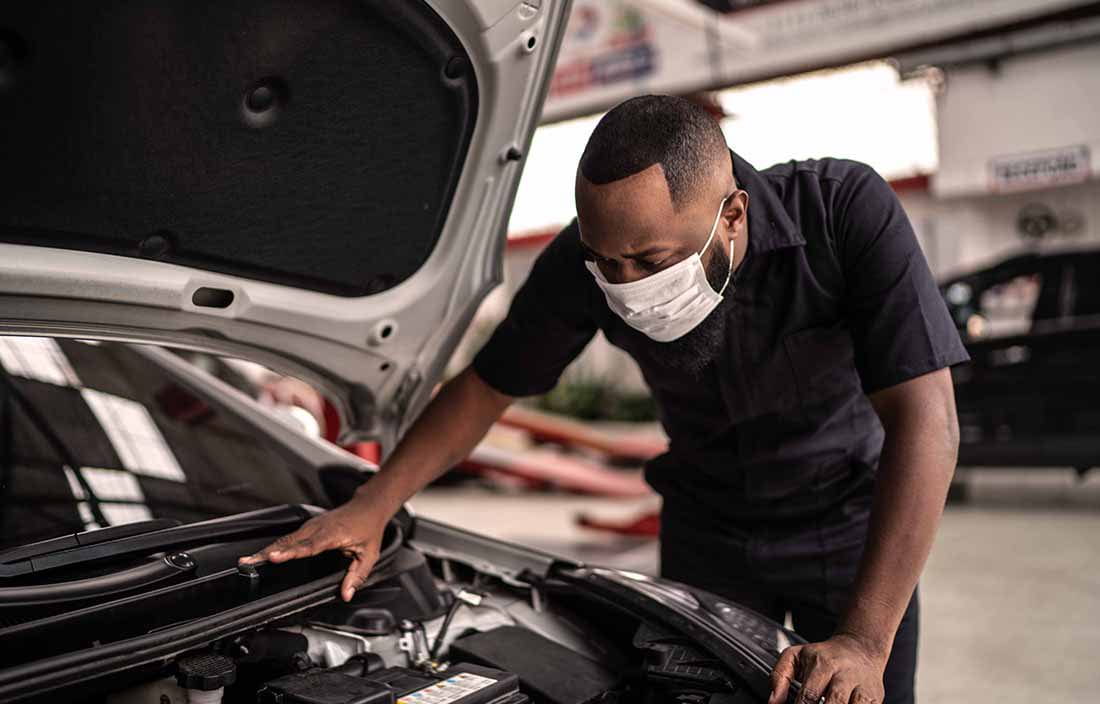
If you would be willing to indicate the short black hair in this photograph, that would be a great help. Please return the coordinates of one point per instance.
(655, 129)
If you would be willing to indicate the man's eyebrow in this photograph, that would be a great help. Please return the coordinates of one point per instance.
(656, 249)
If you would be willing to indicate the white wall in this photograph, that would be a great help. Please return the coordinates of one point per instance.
(1028, 103)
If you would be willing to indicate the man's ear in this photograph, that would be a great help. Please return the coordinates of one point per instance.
(735, 213)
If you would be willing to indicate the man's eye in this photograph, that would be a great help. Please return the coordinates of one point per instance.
(652, 265)
(602, 261)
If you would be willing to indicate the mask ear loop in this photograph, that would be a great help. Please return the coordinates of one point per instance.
(729, 273)
(713, 229)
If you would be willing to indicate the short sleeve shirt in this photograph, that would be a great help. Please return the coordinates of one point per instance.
(833, 302)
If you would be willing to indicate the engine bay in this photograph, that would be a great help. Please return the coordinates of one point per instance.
(424, 630)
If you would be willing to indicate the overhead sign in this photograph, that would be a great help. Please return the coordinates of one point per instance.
(604, 44)
(1041, 169)
(614, 49)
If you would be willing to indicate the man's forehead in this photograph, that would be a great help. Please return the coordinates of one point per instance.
(627, 215)
(635, 214)
(646, 191)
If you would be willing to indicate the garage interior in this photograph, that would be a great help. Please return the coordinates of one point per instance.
(983, 117)
(958, 122)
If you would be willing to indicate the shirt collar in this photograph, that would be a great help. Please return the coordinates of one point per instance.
(770, 226)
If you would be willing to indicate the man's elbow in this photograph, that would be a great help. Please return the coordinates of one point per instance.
(945, 428)
(951, 440)
(949, 416)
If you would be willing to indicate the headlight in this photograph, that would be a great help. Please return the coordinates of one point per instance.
(753, 630)
(761, 630)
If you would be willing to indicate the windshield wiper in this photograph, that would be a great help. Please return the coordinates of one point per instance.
(151, 573)
(148, 537)
(87, 537)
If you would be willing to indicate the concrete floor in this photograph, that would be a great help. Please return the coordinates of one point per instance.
(1010, 597)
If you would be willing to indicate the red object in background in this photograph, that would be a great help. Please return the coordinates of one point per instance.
(369, 451)
(332, 422)
(180, 404)
(549, 468)
(647, 525)
(535, 239)
(537, 468)
(910, 184)
(549, 427)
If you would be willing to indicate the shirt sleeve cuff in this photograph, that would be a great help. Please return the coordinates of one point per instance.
(907, 372)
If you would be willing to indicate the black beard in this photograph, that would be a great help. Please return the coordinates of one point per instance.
(696, 351)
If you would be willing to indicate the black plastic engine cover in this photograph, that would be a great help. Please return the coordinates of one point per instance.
(462, 684)
(323, 687)
(411, 593)
(550, 670)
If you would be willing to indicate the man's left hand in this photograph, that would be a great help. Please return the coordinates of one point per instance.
(841, 670)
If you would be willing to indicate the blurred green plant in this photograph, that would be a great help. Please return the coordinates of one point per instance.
(637, 407)
(589, 397)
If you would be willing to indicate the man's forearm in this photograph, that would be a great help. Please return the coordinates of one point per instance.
(452, 424)
(915, 470)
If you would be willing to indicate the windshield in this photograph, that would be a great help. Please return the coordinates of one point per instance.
(93, 435)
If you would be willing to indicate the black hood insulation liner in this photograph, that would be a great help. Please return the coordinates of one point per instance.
(311, 143)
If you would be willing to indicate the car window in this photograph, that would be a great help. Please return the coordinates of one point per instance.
(1084, 293)
(97, 434)
(1006, 308)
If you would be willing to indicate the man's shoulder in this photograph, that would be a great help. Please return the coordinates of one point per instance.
(560, 264)
(824, 171)
(551, 243)
(570, 233)
(564, 248)
(838, 189)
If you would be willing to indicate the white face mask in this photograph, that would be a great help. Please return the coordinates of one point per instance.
(669, 304)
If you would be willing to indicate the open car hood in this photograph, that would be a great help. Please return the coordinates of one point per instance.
(320, 187)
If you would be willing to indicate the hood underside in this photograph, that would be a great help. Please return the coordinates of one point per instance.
(321, 187)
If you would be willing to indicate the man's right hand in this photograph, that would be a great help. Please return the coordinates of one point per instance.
(354, 529)
(455, 420)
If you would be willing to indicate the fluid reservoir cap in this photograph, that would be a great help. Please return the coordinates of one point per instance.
(205, 671)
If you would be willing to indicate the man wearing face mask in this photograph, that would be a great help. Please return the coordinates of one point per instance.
(798, 350)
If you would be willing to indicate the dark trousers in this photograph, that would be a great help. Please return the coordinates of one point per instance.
(806, 570)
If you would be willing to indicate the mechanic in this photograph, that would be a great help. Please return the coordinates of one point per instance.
(798, 350)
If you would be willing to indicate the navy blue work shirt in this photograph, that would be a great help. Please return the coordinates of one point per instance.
(833, 302)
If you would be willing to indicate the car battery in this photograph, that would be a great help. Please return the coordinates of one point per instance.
(461, 684)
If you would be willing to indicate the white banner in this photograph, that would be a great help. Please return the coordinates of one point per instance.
(1051, 167)
(615, 49)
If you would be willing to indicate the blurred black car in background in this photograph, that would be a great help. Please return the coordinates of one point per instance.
(1031, 394)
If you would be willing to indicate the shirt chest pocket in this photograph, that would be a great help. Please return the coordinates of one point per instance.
(822, 363)
(802, 370)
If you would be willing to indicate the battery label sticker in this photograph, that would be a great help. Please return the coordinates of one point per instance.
(449, 690)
